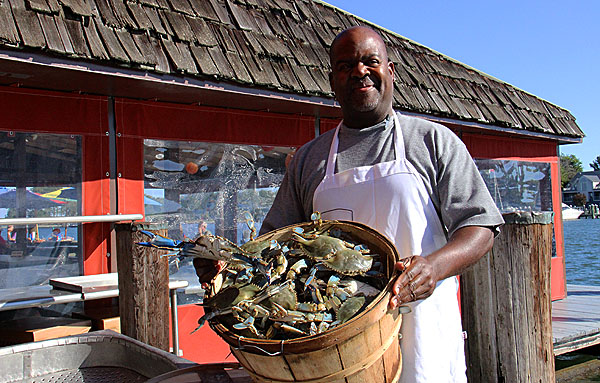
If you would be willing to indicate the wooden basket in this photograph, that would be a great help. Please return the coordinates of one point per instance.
(364, 349)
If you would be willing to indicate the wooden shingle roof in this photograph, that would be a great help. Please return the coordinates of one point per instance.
(267, 44)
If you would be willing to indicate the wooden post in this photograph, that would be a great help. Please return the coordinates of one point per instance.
(143, 286)
(506, 305)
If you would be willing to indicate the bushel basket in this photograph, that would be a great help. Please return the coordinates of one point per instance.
(364, 349)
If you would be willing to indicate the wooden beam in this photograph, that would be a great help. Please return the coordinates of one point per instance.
(506, 307)
(143, 286)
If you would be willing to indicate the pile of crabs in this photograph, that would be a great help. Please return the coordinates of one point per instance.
(307, 281)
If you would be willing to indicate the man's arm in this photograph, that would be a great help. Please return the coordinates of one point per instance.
(420, 274)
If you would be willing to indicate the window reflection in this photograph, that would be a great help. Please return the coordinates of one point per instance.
(194, 185)
(40, 176)
(517, 185)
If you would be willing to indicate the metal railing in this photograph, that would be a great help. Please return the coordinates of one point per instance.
(75, 219)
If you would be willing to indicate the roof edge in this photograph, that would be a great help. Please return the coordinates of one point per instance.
(562, 140)
(195, 84)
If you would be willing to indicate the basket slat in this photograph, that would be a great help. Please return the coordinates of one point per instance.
(393, 357)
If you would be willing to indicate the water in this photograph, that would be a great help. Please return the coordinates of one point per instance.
(582, 251)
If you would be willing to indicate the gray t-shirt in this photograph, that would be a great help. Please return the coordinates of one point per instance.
(439, 156)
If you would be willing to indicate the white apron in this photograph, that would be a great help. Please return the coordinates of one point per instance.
(391, 198)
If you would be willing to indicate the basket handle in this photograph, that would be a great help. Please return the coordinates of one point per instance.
(246, 347)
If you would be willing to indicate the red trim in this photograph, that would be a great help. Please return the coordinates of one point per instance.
(198, 123)
(130, 183)
(64, 113)
(51, 112)
(503, 148)
(328, 124)
(558, 283)
(523, 149)
(96, 201)
(558, 273)
(204, 345)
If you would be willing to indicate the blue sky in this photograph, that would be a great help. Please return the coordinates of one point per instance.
(547, 48)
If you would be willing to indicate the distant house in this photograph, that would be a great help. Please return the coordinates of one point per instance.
(586, 183)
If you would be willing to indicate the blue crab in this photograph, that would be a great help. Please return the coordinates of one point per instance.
(290, 284)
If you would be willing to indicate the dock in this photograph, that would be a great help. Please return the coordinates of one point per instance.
(590, 211)
(576, 319)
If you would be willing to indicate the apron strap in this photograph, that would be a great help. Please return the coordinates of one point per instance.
(333, 149)
(331, 159)
(398, 140)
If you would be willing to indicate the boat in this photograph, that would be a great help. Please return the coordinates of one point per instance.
(569, 213)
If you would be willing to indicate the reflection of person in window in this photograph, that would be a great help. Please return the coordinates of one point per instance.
(32, 236)
(56, 235)
(202, 229)
(11, 235)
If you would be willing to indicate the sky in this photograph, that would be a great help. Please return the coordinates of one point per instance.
(547, 48)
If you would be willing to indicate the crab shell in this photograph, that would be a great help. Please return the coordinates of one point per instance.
(231, 296)
(349, 308)
(286, 298)
(320, 247)
(255, 247)
(349, 262)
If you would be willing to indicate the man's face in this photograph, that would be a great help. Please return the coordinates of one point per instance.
(361, 77)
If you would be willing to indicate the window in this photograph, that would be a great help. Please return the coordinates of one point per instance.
(517, 185)
(197, 186)
(40, 176)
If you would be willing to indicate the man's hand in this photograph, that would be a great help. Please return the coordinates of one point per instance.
(207, 270)
(417, 281)
(420, 274)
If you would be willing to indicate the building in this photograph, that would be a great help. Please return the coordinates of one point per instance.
(185, 111)
(586, 183)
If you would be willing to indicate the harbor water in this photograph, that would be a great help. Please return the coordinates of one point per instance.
(582, 251)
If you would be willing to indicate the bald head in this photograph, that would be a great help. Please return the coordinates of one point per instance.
(361, 77)
(361, 32)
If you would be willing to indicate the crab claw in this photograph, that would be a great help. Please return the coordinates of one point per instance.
(203, 320)
(208, 316)
(159, 242)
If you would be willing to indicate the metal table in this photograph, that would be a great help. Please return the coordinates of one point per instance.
(88, 287)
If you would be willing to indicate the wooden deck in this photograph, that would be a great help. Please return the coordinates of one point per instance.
(576, 319)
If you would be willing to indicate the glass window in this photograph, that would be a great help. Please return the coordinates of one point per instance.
(40, 176)
(194, 187)
(517, 185)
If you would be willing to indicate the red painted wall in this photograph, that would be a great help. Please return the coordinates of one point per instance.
(532, 150)
(63, 113)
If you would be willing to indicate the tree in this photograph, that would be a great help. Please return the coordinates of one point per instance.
(569, 166)
(596, 164)
(579, 199)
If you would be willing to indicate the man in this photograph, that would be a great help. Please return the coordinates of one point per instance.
(202, 229)
(409, 179)
(11, 234)
(56, 235)
(416, 184)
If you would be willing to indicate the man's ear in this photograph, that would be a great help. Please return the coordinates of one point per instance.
(391, 68)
